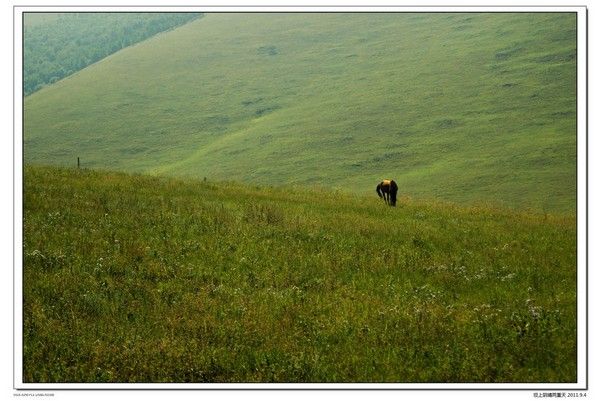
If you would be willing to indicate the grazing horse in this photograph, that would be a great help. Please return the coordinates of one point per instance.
(387, 189)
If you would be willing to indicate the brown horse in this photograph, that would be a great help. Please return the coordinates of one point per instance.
(388, 189)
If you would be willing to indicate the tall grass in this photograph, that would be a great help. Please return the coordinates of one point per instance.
(130, 278)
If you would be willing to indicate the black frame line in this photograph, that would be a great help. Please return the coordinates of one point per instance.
(297, 6)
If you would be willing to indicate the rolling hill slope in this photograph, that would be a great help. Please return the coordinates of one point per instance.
(463, 107)
(130, 278)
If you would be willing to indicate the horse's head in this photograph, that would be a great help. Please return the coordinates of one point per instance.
(393, 192)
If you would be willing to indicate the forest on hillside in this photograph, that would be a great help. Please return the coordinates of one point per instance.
(57, 45)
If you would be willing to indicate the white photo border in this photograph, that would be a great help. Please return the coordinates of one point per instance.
(582, 204)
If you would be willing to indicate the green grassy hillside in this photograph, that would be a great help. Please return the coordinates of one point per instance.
(462, 107)
(130, 278)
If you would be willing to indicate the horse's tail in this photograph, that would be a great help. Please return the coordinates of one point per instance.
(378, 190)
(393, 192)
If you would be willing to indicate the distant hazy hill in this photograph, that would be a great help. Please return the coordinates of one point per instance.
(59, 44)
(463, 107)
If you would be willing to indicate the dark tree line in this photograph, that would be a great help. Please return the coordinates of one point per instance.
(61, 46)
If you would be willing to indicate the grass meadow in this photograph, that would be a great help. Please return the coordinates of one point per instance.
(134, 278)
(455, 106)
